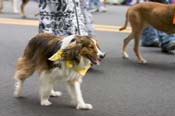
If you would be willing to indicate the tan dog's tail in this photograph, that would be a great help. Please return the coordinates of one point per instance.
(126, 23)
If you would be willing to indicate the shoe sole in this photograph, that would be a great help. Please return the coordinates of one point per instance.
(152, 45)
(172, 46)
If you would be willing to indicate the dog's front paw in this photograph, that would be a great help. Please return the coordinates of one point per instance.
(84, 106)
(55, 93)
(17, 94)
(46, 103)
(125, 55)
(143, 61)
(18, 89)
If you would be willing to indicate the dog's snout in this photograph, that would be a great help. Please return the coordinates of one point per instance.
(102, 55)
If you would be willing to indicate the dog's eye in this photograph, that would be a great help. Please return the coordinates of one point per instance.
(72, 40)
(91, 47)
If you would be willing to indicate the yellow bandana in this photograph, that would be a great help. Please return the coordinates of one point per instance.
(56, 56)
(80, 70)
(83, 70)
(69, 63)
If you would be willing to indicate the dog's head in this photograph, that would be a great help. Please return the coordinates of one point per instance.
(83, 46)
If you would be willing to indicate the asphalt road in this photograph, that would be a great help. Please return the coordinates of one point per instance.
(117, 87)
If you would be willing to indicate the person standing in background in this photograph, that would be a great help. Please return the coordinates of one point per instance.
(136, 1)
(96, 6)
(60, 17)
(88, 18)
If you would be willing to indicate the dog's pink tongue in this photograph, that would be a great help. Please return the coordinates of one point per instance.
(97, 62)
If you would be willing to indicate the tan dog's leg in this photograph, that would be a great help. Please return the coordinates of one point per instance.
(23, 4)
(23, 70)
(125, 43)
(136, 48)
(137, 26)
(1, 5)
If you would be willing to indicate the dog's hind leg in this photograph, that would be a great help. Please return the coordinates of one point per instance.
(24, 69)
(125, 43)
(136, 46)
(137, 25)
(46, 86)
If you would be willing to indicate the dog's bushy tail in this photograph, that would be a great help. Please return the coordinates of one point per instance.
(126, 22)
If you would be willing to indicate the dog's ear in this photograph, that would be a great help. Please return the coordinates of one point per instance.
(76, 53)
(73, 52)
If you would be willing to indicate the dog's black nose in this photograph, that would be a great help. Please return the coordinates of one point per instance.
(102, 56)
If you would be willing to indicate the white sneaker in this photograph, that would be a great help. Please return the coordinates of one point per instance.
(133, 2)
(102, 9)
(93, 10)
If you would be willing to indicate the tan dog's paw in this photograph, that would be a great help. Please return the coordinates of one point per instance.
(84, 106)
(125, 55)
(17, 94)
(142, 61)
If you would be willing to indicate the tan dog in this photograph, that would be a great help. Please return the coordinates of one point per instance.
(15, 8)
(157, 15)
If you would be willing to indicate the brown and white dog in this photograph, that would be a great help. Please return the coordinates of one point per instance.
(57, 59)
(15, 6)
(157, 15)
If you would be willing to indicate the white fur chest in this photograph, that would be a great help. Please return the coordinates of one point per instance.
(69, 73)
(64, 73)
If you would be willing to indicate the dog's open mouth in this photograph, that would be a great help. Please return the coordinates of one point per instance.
(95, 61)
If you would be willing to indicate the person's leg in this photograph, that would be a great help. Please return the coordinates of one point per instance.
(90, 4)
(98, 3)
(60, 18)
(105, 2)
(167, 42)
(149, 37)
(46, 20)
(133, 2)
(100, 6)
(87, 18)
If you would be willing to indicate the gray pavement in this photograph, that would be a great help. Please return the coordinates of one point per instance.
(117, 87)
